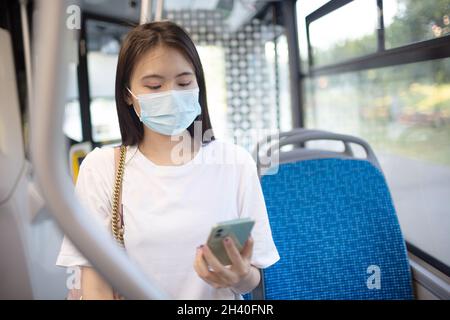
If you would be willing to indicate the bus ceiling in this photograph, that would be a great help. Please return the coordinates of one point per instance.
(237, 13)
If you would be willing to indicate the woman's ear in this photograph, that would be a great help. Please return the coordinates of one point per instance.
(129, 99)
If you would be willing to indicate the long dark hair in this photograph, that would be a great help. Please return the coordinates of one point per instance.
(137, 42)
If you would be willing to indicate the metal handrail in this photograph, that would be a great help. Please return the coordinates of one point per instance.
(300, 136)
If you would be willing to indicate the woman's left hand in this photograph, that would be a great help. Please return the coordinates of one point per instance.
(240, 274)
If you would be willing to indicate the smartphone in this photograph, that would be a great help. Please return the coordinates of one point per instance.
(237, 229)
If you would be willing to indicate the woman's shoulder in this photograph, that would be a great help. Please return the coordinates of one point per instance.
(100, 160)
(100, 155)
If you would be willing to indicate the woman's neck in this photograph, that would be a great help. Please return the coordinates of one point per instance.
(168, 150)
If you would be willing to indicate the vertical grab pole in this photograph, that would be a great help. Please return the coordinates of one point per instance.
(27, 58)
(26, 48)
(146, 11)
(159, 10)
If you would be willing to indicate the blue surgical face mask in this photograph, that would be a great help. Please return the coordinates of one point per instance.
(169, 112)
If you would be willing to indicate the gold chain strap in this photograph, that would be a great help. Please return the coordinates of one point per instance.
(116, 225)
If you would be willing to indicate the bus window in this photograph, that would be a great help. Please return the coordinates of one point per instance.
(72, 117)
(213, 60)
(278, 61)
(402, 109)
(103, 45)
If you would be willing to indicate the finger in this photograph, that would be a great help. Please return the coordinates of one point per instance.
(200, 264)
(201, 267)
(233, 253)
(247, 251)
(224, 273)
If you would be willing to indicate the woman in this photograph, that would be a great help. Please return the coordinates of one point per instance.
(179, 181)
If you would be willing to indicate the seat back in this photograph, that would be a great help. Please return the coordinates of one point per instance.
(335, 227)
(337, 233)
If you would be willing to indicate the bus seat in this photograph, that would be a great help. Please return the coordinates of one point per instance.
(335, 226)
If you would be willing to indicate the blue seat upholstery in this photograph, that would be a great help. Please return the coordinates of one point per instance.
(331, 220)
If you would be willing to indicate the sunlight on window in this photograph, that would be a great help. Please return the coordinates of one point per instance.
(345, 33)
(281, 80)
(352, 21)
(72, 118)
(102, 75)
(213, 61)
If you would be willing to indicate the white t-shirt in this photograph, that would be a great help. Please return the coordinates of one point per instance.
(169, 211)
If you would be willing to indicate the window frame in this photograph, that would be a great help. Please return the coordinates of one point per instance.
(425, 50)
(83, 76)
